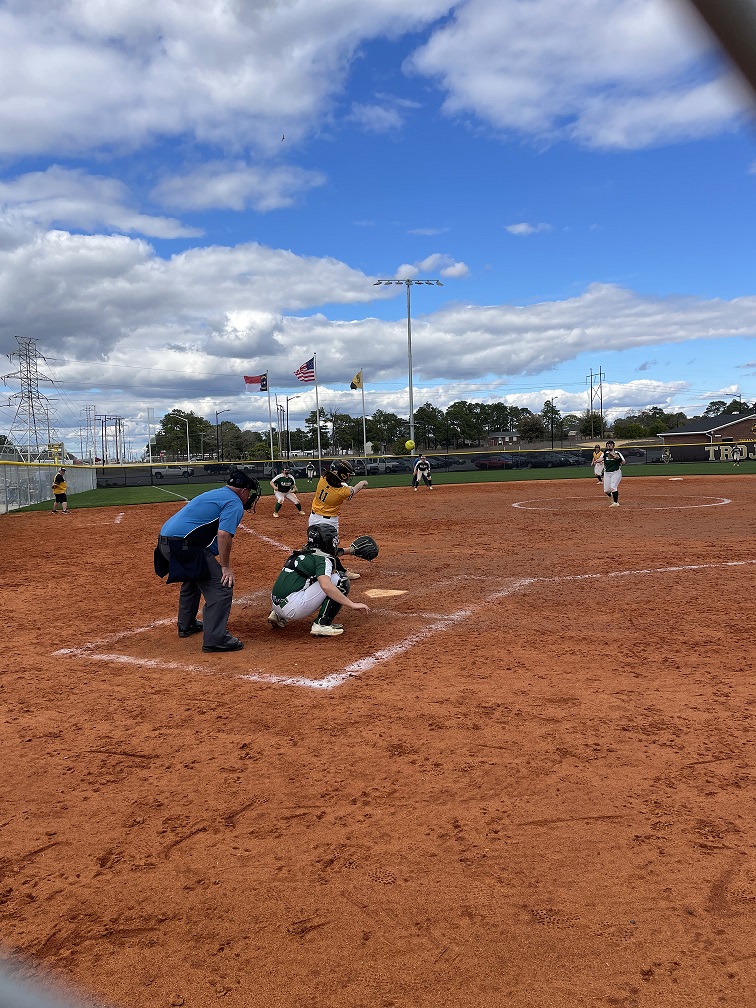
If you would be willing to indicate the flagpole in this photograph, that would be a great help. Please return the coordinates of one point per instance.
(317, 410)
(364, 429)
(270, 421)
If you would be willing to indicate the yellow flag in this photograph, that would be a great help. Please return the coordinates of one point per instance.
(357, 380)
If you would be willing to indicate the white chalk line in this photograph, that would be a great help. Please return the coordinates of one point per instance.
(267, 539)
(180, 496)
(119, 518)
(635, 505)
(440, 623)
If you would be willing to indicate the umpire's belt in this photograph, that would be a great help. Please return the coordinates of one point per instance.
(177, 539)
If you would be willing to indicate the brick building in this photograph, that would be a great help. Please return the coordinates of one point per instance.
(712, 438)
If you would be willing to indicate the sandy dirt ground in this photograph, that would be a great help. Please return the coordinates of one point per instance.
(526, 779)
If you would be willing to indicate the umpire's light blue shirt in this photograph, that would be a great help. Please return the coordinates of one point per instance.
(215, 509)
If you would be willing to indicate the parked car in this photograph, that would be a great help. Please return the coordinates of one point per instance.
(387, 467)
(160, 472)
(495, 462)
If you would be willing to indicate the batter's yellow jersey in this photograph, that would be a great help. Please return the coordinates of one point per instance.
(328, 500)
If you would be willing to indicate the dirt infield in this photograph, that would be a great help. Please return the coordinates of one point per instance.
(527, 781)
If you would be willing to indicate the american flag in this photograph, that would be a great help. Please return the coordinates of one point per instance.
(306, 372)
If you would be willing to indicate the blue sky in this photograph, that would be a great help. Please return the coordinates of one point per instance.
(190, 193)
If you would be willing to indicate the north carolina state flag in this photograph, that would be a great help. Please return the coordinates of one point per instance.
(260, 379)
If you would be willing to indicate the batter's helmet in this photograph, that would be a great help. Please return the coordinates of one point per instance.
(343, 470)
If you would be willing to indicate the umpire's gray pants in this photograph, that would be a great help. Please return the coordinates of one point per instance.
(217, 598)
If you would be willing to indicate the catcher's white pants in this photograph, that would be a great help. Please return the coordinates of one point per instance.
(612, 481)
(305, 602)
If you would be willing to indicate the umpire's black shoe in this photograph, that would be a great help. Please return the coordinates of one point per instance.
(229, 644)
(193, 628)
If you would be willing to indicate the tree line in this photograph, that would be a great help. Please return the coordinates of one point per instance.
(462, 425)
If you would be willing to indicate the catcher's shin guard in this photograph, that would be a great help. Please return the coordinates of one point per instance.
(330, 609)
(328, 612)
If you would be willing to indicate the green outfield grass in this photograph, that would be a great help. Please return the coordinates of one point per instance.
(178, 492)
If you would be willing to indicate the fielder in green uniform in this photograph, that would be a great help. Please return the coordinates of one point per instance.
(310, 581)
(285, 488)
(613, 462)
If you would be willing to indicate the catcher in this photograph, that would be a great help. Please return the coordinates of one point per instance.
(313, 579)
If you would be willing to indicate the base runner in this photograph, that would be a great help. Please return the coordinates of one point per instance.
(310, 582)
(613, 462)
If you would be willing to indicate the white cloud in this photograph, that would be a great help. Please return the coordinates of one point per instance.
(376, 118)
(182, 331)
(527, 229)
(128, 71)
(608, 73)
(438, 262)
(234, 186)
(428, 232)
(67, 197)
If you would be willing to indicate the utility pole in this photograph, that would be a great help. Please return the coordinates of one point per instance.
(31, 423)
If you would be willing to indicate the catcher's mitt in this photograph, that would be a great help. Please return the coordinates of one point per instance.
(364, 547)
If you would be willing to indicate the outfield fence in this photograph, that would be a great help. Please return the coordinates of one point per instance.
(23, 483)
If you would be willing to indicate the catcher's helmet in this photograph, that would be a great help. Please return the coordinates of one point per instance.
(343, 470)
(324, 538)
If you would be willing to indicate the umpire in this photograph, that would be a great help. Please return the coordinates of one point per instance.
(194, 548)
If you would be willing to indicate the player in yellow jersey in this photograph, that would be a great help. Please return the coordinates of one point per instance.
(332, 491)
(598, 464)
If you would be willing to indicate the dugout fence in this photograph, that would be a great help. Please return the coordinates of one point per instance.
(23, 483)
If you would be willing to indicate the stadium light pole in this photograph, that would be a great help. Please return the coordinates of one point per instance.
(552, 417)
(218, 438)
(408, 284)
(288, 432)
(188, 460)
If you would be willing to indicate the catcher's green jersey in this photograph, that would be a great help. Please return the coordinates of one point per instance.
(283, 482)
(300, 570)
(612, 461)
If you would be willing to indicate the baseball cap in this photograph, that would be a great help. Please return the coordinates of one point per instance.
(241, 480)
(610, 442)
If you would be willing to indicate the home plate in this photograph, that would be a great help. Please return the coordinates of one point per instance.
(382, 592)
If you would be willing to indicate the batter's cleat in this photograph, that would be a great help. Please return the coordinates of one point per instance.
(193, 628)
(229, 644)
(318, 630)
(353, 575)
(277, 621)
(275, 514)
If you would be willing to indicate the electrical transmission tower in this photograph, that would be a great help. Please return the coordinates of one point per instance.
(32, 429)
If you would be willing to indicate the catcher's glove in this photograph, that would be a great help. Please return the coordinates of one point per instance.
(364, 547)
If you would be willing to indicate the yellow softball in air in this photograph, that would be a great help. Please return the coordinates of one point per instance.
(409, 445)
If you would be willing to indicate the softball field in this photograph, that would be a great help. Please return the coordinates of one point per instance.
(524, 779)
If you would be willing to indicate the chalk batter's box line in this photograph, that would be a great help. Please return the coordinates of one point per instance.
(438, 624)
